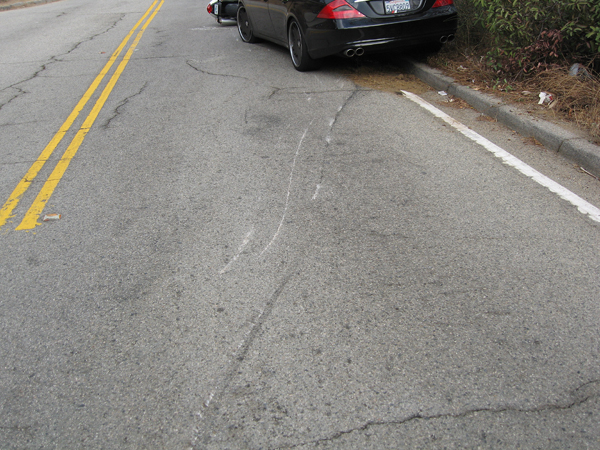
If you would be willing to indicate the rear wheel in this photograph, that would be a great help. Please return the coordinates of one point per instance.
(244, 26)
(298, 51)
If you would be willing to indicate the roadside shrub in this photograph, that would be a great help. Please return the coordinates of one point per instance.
(518, 48)
(526, 36)
(472, 34)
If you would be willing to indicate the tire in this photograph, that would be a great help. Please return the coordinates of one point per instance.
(245, 26)
(298, 51)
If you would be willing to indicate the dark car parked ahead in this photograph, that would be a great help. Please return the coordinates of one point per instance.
(314, 29)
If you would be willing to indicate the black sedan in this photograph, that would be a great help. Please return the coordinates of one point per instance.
(314, 29)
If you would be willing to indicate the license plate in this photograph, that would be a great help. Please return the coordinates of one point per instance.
(396, 6)
(216, 9)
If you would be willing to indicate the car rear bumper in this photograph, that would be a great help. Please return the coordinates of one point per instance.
(335, 37)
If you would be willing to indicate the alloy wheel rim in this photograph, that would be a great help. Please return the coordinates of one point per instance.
(295, 44)
(244, 25)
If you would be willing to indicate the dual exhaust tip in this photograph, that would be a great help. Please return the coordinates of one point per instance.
(445, 39)
(353, 52)
(359, 51)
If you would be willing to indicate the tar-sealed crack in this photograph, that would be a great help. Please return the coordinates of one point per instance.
(579, 398)
(91, 38)
(125, 101)
(328, 137)
(341, 109)
(190, 62)
(52, 60)
(19, 93)
(242, 351)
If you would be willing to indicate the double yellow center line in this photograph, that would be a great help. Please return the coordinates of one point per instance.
(31, 218)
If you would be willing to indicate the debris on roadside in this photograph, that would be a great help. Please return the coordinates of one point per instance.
(582, 170)
(447, 98)
(49, 217)
(533, 141)
(546, 98)
(578, 70)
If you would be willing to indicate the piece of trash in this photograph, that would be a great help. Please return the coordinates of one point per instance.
(49, 217)
(581, 169)
(443, 93)
(577, 70)
(546, 98)
(526, 93)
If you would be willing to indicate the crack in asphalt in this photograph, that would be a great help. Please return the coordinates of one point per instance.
(19, 94)
(328, 137)
(54, 59)
(245, 346)
(341, 109)
(189, 62)
(123, 102)
(419, 416)
(274, 91)
(17, 163)
(91, 38)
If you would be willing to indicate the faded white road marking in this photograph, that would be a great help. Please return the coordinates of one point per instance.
(583, 206)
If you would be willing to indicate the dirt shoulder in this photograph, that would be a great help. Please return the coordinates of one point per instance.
(6, 5)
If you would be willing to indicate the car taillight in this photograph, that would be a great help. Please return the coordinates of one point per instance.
(439, 3)
(209, 8)
(339, 9)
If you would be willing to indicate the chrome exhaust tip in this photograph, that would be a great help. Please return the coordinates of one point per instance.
(359, 51)
(444, 39)
(349, 53)
(450, 38)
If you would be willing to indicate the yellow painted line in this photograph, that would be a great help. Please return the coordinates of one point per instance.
(30, 220)
(7, 209)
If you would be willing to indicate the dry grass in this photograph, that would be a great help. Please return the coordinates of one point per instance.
(578, 98)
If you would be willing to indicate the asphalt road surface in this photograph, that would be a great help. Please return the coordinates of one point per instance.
(251, 257)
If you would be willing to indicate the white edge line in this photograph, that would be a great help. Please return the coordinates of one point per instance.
(582, 205)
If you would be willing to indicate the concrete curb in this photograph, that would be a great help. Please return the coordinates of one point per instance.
(568, 144)
(24, 3)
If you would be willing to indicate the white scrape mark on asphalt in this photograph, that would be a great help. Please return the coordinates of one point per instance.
(314, 197)
(239, 252)
(207, 402)
(583, 206)
(287, 198)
